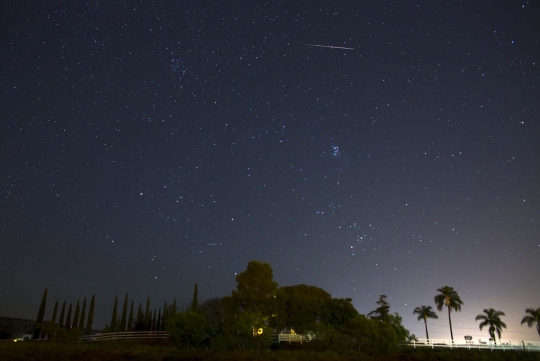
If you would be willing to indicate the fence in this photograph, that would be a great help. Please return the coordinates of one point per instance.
(522, 346)
(124, 336)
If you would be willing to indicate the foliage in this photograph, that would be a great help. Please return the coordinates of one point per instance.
(40, 315)
(123, 320)
(492, 318)
(255, 289)
(147, 316)
(55, 311)
(75, 322)
(533, 318)
(381, 313)
(91, 315)
(83, 315)
(448, 297)
(57, 332)
(425, 312)
(337, 311)
(68, 318)
(188, 329)
(395, 321)
(62, 313)
(113, 324)
(130, 318)
(195, 301)
(300, 306)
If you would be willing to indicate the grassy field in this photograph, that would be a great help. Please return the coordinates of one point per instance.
(164, 350)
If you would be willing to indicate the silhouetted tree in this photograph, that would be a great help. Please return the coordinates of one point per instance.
(68, 318)
(532, 319)
(158, 326)
(83, 315)
(75, 322)
(55, 311)
(448, 297)
(173, 309)
(154, 321)
(299, 307)
(113, 325)
(62, 314)
(255, 289)
(147, 316)
(41, 313)
(195, 301)
(425, 312)
(165, 315)
(130, 318)
(491, 318)
(91, 315)
(381, 313)
(139, 325)
(124, 315)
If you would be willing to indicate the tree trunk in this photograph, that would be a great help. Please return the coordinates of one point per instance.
(450, 321)
(427, 334)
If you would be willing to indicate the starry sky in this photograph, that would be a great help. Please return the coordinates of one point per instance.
(148, 146)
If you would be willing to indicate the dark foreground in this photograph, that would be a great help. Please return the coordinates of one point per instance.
(127, 350)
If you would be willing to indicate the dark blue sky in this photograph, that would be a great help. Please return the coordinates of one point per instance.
(149, 146)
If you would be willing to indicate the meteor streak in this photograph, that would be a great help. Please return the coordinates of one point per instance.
(329, 46)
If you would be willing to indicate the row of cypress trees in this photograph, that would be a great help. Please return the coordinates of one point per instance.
(78, 320)
(143, 320)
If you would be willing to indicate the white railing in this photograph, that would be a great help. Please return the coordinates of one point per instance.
(124, 336)
(521, 346)
(288, 337)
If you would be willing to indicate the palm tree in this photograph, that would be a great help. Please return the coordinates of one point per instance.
(425, 312)
(449, 298)
(492, 318)
(532, 318)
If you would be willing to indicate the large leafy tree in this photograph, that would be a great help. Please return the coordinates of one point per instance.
(300, 306)
(255, 289)
(532, 319)
(491, 318)
(425, 312)
(448, 297)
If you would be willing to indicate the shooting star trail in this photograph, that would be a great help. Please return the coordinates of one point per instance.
(329, 46)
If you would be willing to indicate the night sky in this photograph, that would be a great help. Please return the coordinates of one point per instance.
(148, 146)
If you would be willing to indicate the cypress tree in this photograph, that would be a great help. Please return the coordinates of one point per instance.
(55, 311)
(68, 318)
(83, 315)
(173, 311)
(165, 315)
(139, 324)
(154, 321)
(62, 313)
(112, 327)
(40, 315)
(147, 315)
(130, 318)
(124, 315)
(75, 322)
(158, 326)
(195, 302)
(91, 315)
